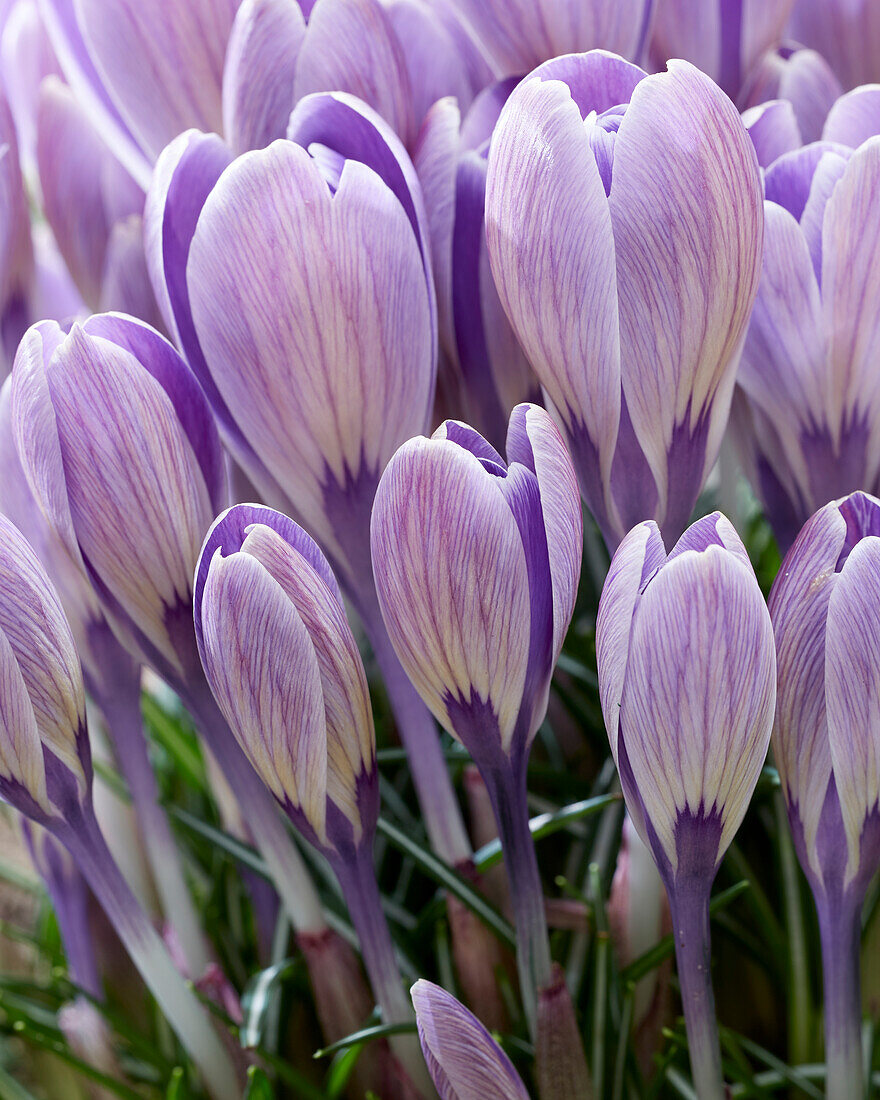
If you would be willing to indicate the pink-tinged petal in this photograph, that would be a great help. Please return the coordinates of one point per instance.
(800, 77)
(350, 745)
(27, 59)
(125, 285)
(519, 34)
(451, 577)
(773, 129)
(639, 555)
(121, 442)
(464, 1060)
(61, 21)
(435, 157)
(699, 693)
(69, 157)
(550, 243)
(34, 627)
(850, 287)
(783, 366)
(846, 32)
(799, 609)
(688, 231)
(326, 354)
(258, 78)
(263, 671)
(852, 643)
(350, 46)
(855, 117)
(534, 440)
(162, 64)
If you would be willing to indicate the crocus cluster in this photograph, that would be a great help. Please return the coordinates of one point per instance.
(333, 332)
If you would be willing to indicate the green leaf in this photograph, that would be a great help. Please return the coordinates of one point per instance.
(10, 1089)
(257, 1000)
(259, 1087)
(169, 731)
(451, 880)
(365, 1035)
(236, 849)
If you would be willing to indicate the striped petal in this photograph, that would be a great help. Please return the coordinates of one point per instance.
(162, 64)
(463, 1058)
(258, 77)
(688, 230)
(699, 694)
(326, 356)
(451, 576)
(799, 609)
(773, 129)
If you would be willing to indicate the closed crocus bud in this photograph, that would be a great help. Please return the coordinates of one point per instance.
(480, 351)
(801, 76)
(725, 39)
(521, 34)
(286, 672)
(687, 679)
(627, 209)
(478, 616)
(826, 739)
(464, 1060)
(808, 422)
(846, 31)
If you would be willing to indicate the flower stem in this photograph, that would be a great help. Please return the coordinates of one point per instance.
(840, 930)
(289, 872)
(120, 706)
(689, 904)
(180, 1005)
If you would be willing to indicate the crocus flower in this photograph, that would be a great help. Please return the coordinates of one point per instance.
(46, 773)
(477, 564)
(723, 39)
(826, 737)
(846, 31)
(519, 35)
(687, 680)
(312, 411)
(488, 372)
(808, 420)
(801, 76)
(624, 225)
(463, 1058)
(286, 672)
(120, 450)
(16, 251)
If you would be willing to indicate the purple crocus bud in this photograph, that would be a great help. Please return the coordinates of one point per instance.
(480, 351)
(624, 225)
(846, 31)
(809, 419)
(801, 76)
(826, 738)
(689, 721)
(519, 35)
(724, 38)
(478, 617)
(463, 1058)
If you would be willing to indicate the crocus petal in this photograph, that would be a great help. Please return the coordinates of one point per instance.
(802, 78)
(850, 284)
(69, 156)
(520, 34)
(350, 46)
(469, 438)
(269, 693)
(799, 608)
(852, 641)
(258, 78)
(773, 129)
(27, 59)
(855, 117)
(699, 693)
(847, 32)
(638, 556)
(21, 756)
(713, 530)
(688, 232)
(161, 63)
(329, 365)
(451, 577)
(463, 1058)
(550, 243)
(534, 440)
(37, 636)
(16, 253)
(125, 285)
